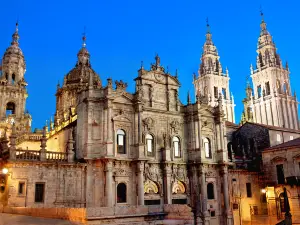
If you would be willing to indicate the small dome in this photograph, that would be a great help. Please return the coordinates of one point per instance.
(80, 75)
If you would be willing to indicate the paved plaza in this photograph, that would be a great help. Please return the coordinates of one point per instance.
(13, 219)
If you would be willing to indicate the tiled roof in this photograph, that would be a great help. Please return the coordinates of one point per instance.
(288, 144)
(270, 127)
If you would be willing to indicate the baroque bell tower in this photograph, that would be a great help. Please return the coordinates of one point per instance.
(13, 93)
(271, 101)
(212, 81)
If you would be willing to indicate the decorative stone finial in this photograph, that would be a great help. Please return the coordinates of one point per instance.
(84, 38)
(287, 66)
(157, 60)
(188, 98)
(142, 65)
(15, 36)
(208, 34)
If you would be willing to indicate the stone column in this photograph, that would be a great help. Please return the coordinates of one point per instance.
(12, 148)
(167, 184)
(43, 151)
(89, 184)
(108, 183)
(228, 212)
(203, 191)
(109, 140)
(140, 180)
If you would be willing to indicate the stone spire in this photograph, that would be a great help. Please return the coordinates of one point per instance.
(210, 63)
(266, 49)
(15, 36)
(83, 54)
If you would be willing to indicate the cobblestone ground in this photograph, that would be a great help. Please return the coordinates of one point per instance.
(13, 219)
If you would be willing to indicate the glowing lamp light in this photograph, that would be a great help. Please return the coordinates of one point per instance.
(4, 170)
(263, 191)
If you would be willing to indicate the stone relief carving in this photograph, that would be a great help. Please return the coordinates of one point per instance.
(120, 85)
(178, 187)
(175, 126)
(150, 187)
(149, 123)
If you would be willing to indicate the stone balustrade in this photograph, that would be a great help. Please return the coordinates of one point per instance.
(27, 155)
(31, 155)
(56, 156)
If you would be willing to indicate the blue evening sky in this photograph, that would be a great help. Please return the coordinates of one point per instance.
(122, 33)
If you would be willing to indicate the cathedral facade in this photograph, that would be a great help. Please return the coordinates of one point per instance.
(114, 157)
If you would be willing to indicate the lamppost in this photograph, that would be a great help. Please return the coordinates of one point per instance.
(3, 174)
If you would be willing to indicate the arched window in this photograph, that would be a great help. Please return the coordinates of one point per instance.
(278, 86)
(285, 88)
(176, 146)
(13, 78)
(10, 108)
(121, 141)
(210, 191)
(121, 193)
(259, 91)
(207, 147)
(149, 145)
(260, 60)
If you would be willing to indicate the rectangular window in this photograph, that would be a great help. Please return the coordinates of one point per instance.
(235, 206)
(255, 210)
(291, 138)
(39, 192)
(21, 188)
(249, 191)
(152, 202)
(176, 148)
(224, 92)
(182, 201)
(268, 91)
(280, 174)
(149, 146)
(278, 137)
(259, 91)
(216, 92)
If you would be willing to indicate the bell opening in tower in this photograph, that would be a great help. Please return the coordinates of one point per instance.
(10, 108)
(13, 78)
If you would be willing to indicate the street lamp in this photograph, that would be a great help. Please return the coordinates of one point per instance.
(4, 170)
(263, 191)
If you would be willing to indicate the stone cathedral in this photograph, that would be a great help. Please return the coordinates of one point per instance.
(114, 157)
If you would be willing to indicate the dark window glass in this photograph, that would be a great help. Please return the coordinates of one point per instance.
(280, 174)
(39, 192)
(235, 206)
(216, 92)
(152, 202)
(268, 90)
(21, 188)
(210, 191)
(179, 201)
(249, 190)
(212, 213)
(121, 193)
(259, 91)
(224, 93)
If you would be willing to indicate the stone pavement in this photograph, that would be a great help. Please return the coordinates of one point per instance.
(14, 219)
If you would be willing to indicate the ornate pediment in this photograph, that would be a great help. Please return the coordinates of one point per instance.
(278, 159)
(122, 118)
(296, 157)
